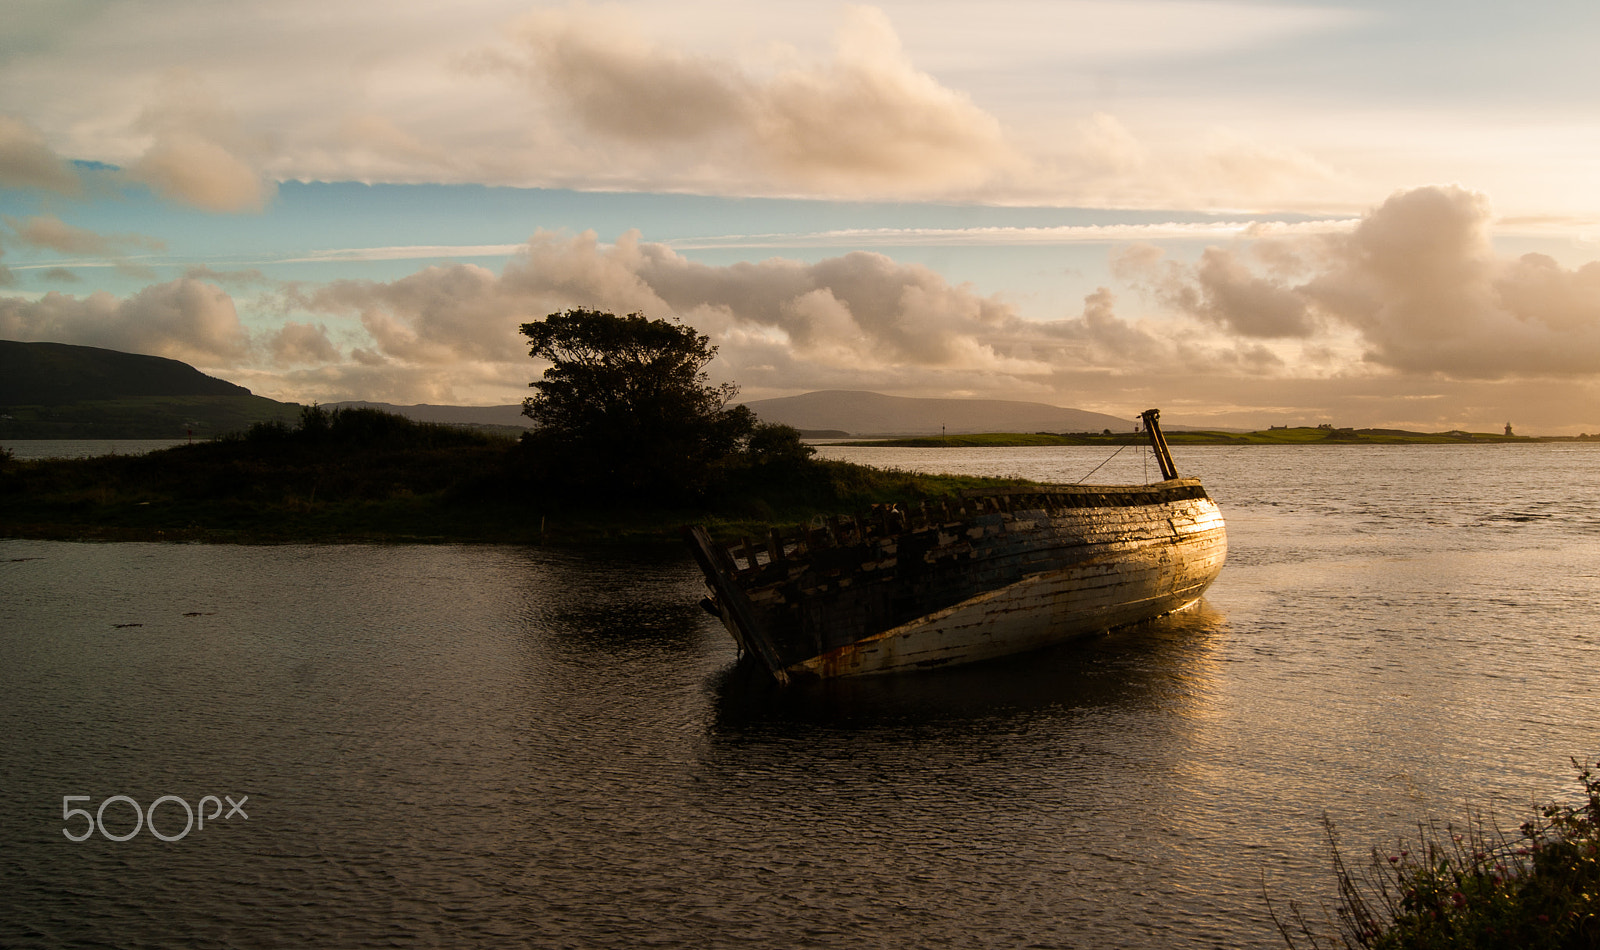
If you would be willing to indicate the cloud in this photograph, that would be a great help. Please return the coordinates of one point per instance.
(862, 307)
(865, 120)
(50, 232)
(199, 156)
(780, 324)
(301, 343)
(1007, 236)
(184, 319)
(1244, 169)
(27, 161)
(1221, 290)
(248, 277)
(618, 83)
(1282, 320)
(885, 311)
(1418, 282)
(194, 170)
(1106, 147)
(438, 316)
(375, 141)
(668, 97)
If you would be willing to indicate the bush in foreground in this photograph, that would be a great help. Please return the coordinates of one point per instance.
(1472, 887)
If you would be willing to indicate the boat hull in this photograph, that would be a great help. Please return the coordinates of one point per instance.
(1032, 614)
(1005, 575)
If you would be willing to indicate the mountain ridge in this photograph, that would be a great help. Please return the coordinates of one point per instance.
(864, 413)
(55, 374)
(845, 411)
(64, 391)
(59, 390)
(509, 416)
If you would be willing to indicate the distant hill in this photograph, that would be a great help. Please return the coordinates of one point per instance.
(59, 391)
(53, 374)
(834, 414)
(484, 416)
(874, 414)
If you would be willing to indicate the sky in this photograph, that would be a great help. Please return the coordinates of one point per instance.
(1243, 213)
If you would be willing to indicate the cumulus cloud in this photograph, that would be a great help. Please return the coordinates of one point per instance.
(883, 311)
(27, 161)
(867, 119)
(1220, 290)
(1414, 286)
(184, 319)
(438, 316)
(780, 324)
(1421, 282)
(1417, 280)
(864, 309)
(301, 343)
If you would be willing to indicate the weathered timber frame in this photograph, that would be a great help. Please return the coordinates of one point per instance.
(959, 581)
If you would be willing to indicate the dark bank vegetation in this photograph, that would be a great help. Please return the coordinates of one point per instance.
(630, 441)
(1470, 887)
(364, 474)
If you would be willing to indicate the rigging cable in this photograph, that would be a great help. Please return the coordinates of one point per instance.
(1102, 464)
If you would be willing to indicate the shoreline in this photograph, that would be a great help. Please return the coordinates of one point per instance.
(1290, 437)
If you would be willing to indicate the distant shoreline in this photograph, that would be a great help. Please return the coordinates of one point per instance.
(1287, 436)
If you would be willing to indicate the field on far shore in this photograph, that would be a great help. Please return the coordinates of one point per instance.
(1299, 435)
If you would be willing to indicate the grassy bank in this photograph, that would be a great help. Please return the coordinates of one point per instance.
(365, 475)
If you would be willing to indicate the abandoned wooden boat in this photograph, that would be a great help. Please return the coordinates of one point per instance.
(905, 589)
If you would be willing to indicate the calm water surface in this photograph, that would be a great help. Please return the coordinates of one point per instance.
(444, 746)
(84, 448)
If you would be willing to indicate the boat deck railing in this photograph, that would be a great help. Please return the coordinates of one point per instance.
(888, 521)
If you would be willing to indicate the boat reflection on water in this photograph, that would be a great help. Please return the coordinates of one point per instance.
(1159, 666)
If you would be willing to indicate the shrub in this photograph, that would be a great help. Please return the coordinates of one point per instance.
(1472, 887)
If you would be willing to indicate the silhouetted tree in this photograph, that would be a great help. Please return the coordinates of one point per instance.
(626, 405)
(775, 445)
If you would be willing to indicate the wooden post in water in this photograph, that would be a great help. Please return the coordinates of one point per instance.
(1159, 443)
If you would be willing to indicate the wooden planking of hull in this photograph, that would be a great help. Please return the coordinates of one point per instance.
(997, 575)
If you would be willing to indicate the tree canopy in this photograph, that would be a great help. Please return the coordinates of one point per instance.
(627, 404)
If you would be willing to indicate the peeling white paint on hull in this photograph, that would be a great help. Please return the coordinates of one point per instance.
(1002, 575)
(1038, 612)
